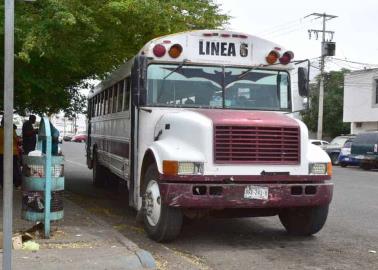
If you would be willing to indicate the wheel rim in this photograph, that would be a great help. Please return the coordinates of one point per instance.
(153, 203)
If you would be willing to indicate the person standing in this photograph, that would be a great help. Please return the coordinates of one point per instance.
(16, 164)
(29, 137)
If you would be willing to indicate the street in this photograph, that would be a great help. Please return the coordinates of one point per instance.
(347, 241)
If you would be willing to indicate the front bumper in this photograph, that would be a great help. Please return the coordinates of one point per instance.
(221, 196)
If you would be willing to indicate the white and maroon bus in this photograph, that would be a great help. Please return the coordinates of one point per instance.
(201, 123)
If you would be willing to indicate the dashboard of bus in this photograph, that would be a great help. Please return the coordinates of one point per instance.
(197, 86)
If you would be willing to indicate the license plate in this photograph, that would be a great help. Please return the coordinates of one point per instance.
(256, 192)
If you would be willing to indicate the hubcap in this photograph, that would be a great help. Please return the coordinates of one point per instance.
(152, 203)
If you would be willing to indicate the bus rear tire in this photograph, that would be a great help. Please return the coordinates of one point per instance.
(98, 172)
(304, 221)
(162, 223)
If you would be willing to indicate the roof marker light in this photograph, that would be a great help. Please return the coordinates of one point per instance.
(286, 57)
(159, 50)
(272, 57)
(175, 51)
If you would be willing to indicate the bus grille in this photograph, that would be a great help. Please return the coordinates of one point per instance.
(256, 145)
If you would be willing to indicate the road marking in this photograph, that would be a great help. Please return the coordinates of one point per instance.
(76, 163)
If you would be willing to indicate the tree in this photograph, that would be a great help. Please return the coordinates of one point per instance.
(333, 105)
(61, 43)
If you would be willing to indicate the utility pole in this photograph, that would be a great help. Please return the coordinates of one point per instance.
(8, 133)
(326, 17)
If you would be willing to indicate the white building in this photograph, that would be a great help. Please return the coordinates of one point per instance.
(361, 100)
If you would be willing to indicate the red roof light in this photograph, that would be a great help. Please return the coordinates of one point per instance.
(159, 50)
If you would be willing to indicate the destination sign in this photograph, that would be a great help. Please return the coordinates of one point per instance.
(221, 48)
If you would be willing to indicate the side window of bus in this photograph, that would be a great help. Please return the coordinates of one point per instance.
(106, 96)
(121, 90)
(93, 100)
(98, 99)
(101, 112)
(127, 94)
(115, 95)
(90, 106)
(110, 100)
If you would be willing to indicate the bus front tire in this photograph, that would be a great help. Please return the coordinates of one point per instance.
(162, 223)
(98, 172)
(304, 221)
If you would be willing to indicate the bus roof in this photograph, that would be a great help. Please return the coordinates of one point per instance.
(218, 47)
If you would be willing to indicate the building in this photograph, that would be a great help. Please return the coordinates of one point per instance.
(361, 100)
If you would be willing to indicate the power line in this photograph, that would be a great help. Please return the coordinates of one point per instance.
(354, 62)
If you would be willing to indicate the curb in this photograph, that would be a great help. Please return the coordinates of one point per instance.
(147, 261)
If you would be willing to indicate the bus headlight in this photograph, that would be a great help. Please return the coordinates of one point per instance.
(190, 168)
(318, 168)
(171, 167)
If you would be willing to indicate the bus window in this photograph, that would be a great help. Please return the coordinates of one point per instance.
(110, 103)
(93, 101)
(101, 112)
(106, 93)
(115, 95)
(127, 95)
(97, 105)
(120, 96)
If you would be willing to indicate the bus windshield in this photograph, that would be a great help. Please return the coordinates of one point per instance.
(217, 87)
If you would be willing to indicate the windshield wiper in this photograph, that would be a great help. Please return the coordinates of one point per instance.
(176, 69)
(244, 73)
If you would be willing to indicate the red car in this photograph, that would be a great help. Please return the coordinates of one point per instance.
(81, 137)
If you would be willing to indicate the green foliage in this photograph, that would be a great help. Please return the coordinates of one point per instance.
(61, 43)
(333, 105)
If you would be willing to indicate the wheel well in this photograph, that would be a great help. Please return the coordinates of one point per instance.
(148, 159)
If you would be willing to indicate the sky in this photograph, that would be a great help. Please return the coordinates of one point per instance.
(356, 27)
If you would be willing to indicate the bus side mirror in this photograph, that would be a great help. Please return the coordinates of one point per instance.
(303, 82)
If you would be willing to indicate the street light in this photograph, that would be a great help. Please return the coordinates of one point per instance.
(8, 131)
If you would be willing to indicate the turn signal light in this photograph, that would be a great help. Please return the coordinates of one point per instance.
(159, 50)
(272, 57)
(170, 167)
(175, 51)
(286, 58)
(329, 168)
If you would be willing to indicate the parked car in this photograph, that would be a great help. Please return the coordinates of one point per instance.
(80, 137)
(319, 143)
(333, 149)
(365, 149)
(345, 157)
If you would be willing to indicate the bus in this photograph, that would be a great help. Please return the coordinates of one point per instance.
(201, 123)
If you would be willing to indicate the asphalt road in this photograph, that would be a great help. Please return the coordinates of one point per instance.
(348, 240)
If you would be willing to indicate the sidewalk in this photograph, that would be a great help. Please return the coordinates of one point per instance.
(80, 241)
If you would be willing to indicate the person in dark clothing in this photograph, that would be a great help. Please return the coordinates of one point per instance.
(29, 137)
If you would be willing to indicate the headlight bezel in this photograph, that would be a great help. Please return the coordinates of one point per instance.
(318, 168)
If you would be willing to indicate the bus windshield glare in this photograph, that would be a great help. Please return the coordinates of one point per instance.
(217, 87)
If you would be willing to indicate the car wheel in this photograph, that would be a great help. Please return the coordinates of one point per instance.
(334, 158)
(98, 171)
(342, 164)
(304, 221)
(162, 223)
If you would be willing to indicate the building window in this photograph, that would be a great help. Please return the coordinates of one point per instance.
(358, 125)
